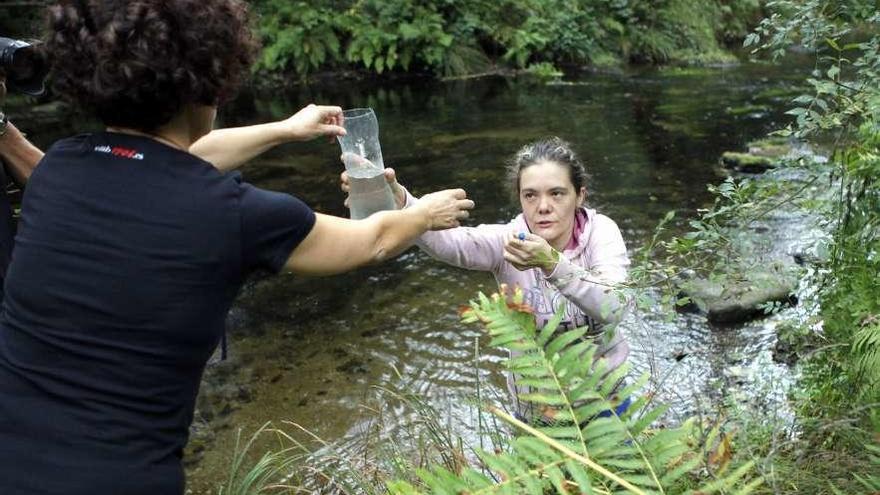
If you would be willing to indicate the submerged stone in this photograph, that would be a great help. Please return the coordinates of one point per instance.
(746, 162)
(770, 147)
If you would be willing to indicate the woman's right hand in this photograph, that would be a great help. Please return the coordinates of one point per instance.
(390, 176)
(445, 209)
(312, 121)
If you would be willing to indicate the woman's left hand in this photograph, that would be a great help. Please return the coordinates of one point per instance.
(313, 121)
(526, 251)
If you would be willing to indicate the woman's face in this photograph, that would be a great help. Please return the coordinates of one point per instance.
(549, 201)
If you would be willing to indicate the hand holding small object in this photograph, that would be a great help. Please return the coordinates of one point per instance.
(526, 251)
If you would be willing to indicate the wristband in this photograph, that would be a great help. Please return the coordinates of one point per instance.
(4, 123)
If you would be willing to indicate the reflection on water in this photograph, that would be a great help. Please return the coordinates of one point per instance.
(313, 350)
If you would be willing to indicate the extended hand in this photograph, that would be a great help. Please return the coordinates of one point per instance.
(314, 121)
(445, 209)
(526, 251)
(390, 177)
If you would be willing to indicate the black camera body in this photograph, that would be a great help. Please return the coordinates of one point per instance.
(24, 64)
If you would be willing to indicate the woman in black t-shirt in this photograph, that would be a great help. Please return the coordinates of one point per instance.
(131, 248)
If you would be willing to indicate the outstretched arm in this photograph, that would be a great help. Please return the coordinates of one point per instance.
(228, 149)
(336, 245)
(472, 248)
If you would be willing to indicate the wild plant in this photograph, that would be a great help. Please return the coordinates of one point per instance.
(579, 444)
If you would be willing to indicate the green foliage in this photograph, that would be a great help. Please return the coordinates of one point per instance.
(548, 31)
(846, 103)
(456, 37)
(268, 472)
(678, 30)
(572, 447)
(297, 36)
(850, 307)
(738, 17)
(390, 34)
(871, 482)
(21, 19)
(544, 70)
(841, 372)
(315, 466)
(840, 335)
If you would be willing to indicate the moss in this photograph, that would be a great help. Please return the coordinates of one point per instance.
(697, 57)
(605, 59)
(746, 162)
(683, 126)
(776, 93)
(770, 141)
(771, 147)
(689, 71)
(747, 109)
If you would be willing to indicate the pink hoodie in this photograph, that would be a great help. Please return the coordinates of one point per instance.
(581, 280)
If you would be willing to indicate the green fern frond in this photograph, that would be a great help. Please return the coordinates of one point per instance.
(872, 482)
(866, 350)
(578, 444)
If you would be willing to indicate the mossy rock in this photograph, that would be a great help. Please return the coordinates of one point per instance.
(771, 141)
(747, 109)
(747, 162)
(741, 299)
(771, 147)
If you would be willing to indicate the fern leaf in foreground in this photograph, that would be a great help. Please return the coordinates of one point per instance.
(578, 444)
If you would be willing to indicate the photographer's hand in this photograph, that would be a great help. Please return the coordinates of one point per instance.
(18, 154)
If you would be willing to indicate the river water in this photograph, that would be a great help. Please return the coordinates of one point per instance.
(318, 352)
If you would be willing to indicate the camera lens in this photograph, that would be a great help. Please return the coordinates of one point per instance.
(27, 69)
(24, 66)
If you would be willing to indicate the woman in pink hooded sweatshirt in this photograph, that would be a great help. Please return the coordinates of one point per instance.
(557, 250)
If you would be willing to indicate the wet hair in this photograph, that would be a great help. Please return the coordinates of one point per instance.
(552, 149)
(137, 63)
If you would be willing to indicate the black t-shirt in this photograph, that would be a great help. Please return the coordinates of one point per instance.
(128, 256)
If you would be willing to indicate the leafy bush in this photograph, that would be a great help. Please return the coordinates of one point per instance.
(298, 36)
(386, 34)
(455, 37)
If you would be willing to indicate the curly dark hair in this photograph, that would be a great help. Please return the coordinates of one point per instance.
(550, 149)
(137, 63)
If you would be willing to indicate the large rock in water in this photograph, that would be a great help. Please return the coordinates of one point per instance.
(741, 299)
(746, 162)
(763, 155)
